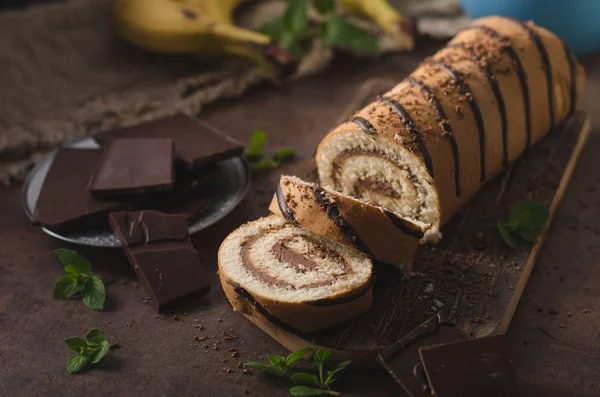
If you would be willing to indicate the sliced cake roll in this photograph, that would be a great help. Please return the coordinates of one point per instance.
(271, 269)
(424, 148)
(375, 231)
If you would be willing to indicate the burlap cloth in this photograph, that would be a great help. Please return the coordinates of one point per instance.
(65, 74)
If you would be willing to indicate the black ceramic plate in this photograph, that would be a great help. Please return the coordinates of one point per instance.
(232, 189)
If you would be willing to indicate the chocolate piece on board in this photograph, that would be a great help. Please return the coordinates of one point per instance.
(471, 368)
(402, 360)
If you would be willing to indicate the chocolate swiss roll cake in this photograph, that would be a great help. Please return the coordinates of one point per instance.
(273, 270)
(372, 230)
(424, 148)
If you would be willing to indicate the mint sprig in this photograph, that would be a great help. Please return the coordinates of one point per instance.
(78, 280)
(258, 160)
(292, 28)
(279, 365)
(307, 384)
(525, 221)
(89, 351)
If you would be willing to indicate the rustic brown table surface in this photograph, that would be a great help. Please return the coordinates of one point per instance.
(555, 335)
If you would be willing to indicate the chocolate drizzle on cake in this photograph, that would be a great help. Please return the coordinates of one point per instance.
(497, 93)
(412, 129)
(465, 90)
(364, 125)
(283, 207)
(331, 209)
(444, 124)
(545, 65)
(403, 225)
(572, 80)
(516, 62)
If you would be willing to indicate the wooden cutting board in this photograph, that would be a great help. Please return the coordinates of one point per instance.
(471, 274)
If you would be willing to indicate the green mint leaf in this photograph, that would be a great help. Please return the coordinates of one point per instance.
(511, 240)
(77, 344)
(75, 259)
(288, 41)
(306, 391)
(336, 372)
(305, 378)
(285, 154)
(321, 356)
(72, 270)
(265, 367)
(99, 352)
(295, 17)
(77, 363)
(276, 360)
(342, 34)
(257, 143)
(95, 337)
(264, 164)
(528, 234)
(273, 29)
(297, 355)
(530, 214)
(94, 293)
(65, 286)
(325, 6)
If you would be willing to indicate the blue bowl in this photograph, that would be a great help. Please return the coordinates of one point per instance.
(577, 22)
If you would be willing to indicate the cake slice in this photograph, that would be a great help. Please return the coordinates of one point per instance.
(273, 270)
(375, 231)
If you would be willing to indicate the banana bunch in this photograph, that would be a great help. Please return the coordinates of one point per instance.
(206, 28)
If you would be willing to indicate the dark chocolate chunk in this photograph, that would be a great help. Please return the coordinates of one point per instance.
(143, 227)
(197, 144)
(471, 368)
(402, 359)
(64, 200)
(134, 165)
(194, 193)
(161, 254)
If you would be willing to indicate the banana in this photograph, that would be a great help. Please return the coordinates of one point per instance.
(201, 27)
(397, 27)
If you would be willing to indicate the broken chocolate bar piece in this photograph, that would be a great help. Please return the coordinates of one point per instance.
(194, 193)
(159, 249)
(64, 200)
(197, 144)
(471, 368)
(134, 165)
(402, 359)
(144, 227)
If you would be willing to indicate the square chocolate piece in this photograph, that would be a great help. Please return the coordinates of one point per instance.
(64, 199)
(159, 249)
(197, 144)
(134, 165)
(402, 359)
(471, 368)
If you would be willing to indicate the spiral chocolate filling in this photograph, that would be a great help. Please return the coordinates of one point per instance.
(385, 189)
(299, 262)
(374, 185)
